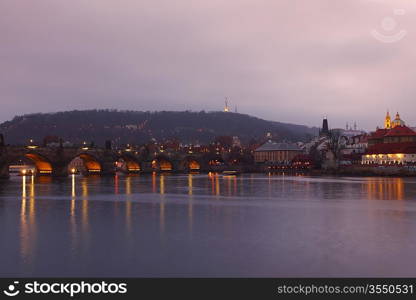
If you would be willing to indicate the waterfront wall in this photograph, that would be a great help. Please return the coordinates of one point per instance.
(359, 170)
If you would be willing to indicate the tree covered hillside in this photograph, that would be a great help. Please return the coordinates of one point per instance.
(137, 127)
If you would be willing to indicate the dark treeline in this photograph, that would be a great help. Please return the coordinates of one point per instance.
(137, 127)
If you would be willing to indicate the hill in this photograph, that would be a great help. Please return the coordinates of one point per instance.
(137, 127)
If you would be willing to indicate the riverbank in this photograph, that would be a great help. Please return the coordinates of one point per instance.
(367, 171)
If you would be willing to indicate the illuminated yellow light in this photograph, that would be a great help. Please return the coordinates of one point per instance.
(85, 148)
(194, 165)
(32, 147)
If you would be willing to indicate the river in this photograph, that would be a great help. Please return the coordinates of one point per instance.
(252, 225)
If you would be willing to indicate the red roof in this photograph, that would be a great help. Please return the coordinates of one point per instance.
(401, 131)
(393, 148)
(379, 134)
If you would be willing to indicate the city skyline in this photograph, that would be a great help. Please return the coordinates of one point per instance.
(348, 125)
(291, 61)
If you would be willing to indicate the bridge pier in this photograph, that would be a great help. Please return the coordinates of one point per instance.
(4, 166)
(108, 168)
(177, 166)
(60, 169)
(146, 167)
(4, 170)
(205, 168)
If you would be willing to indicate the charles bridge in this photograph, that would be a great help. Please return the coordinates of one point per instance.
(55, 161)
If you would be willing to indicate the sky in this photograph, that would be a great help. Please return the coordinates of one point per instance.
(292, 61)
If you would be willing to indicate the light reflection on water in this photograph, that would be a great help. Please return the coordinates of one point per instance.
(208, 225)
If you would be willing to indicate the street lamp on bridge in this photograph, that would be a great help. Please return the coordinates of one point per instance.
(31, 144)
(84, 147)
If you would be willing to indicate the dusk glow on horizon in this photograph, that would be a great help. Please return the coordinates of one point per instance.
(290, 61)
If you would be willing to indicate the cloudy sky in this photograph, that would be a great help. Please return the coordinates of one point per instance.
(289, 60)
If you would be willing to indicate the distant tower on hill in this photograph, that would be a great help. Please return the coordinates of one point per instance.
(226, 108)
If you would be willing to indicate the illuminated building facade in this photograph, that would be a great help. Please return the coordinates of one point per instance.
(271, 152)
(392, 153)
(394, 144)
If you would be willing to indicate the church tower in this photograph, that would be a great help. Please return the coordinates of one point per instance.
(325, 128)
(397, 121)
(387, 121)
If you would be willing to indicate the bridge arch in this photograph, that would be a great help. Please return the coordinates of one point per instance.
(190, 163)
(235, 159)
(85, 163)
(42, 165)
(162, 163)
(215, 161)
(128, 164)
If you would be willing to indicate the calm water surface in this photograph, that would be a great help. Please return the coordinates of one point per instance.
(201, 225)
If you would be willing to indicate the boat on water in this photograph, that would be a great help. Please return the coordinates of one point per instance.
(22, 170)
(230, 173)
